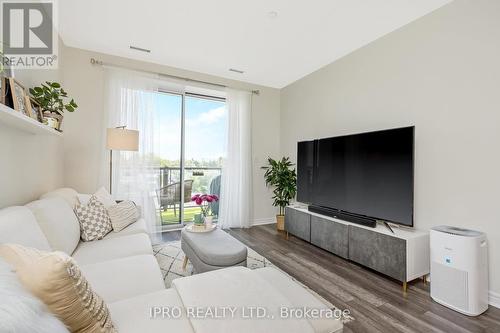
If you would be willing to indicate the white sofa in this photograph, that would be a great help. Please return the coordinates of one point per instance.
(122, 269)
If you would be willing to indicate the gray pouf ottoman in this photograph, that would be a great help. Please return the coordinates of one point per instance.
(213, 250)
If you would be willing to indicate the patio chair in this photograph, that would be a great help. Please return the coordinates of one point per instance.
(170, 195)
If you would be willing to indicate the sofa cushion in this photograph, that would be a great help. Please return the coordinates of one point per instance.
(138, 227)
(112, 248)
(134, 314)
(124, 278)
(57, 281)
(18, 225)
(58, 223)
(68, 194)
(300, 298)
(240, 288)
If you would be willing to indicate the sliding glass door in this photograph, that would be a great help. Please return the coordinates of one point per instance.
(192, 133)
(205, 141)
(169, 144)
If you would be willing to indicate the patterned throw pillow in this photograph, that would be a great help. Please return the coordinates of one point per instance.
(123, 214)
(94, 220)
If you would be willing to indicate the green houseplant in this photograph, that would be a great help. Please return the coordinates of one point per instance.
(53, 100)
(280, 175)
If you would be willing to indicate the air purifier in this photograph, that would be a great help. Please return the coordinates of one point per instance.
(459, 269)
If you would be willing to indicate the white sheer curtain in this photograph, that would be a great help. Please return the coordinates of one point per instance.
(130, 102)
(236, 186)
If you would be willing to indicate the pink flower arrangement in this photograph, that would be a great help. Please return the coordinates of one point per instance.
(204, 200)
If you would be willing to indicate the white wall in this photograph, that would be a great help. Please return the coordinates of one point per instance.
(82, 139)
(441, 74)
(30, 165)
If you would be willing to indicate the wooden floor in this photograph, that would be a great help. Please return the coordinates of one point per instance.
(375, 301)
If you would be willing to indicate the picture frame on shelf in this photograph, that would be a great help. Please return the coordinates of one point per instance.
(2, 89)
(6, 95)
(27, 102)
(18, 93)
(35, 109)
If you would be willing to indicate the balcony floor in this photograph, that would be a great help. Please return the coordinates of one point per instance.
(169, 218)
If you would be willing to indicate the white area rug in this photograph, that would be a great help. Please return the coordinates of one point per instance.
(170, 257)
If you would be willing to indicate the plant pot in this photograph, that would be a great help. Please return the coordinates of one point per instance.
(280, 222)
(198, 219)
(53, 120)
(208, 221)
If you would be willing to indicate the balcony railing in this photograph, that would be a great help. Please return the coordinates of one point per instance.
(203, 178)
(170, 175)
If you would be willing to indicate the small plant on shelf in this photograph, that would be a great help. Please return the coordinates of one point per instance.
(280, 175)
(53, 100)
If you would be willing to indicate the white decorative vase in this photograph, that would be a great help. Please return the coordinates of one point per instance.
(208, 221)
(52, 122)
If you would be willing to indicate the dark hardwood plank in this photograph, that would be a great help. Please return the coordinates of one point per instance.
(375, 301)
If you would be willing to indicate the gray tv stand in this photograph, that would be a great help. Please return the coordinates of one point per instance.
(403, 255)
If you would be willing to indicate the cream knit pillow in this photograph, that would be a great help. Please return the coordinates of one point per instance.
(57, 281)
(123, 214)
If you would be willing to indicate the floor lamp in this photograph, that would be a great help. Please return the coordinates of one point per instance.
(123, 139)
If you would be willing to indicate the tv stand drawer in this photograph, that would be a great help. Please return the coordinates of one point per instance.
(380, 252)
(330, 235)
(298, 223)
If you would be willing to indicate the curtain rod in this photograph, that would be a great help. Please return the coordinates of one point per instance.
(94, 61)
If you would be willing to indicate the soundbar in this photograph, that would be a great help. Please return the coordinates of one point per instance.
(346, 216)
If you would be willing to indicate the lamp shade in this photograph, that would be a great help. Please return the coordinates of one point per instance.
(122, 139)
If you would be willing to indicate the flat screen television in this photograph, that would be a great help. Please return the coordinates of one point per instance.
(361, 177)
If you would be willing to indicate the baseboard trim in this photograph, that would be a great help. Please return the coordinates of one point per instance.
(494, 299)
(269, 220)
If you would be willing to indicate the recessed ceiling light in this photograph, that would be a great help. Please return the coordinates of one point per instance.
(272, 14)
(236, 70)
(139, 49)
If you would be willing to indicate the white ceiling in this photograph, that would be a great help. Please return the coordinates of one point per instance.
(211, 36)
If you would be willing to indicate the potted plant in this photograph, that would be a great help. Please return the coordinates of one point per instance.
(52, 98)
(280, 175)
(204, 201)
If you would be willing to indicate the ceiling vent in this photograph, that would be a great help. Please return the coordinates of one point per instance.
(139, 49)
(236, 70)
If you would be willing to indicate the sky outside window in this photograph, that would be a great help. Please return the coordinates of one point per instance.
(206, 128)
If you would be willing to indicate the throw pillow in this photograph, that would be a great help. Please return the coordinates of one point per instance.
(94, 220)
(123, 214)
(56, 279)
(84, 198)
(103, 196)
(20, 311)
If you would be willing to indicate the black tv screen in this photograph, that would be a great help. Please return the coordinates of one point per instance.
(368, 174)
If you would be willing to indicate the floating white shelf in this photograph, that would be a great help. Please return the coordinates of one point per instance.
(14, 119)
